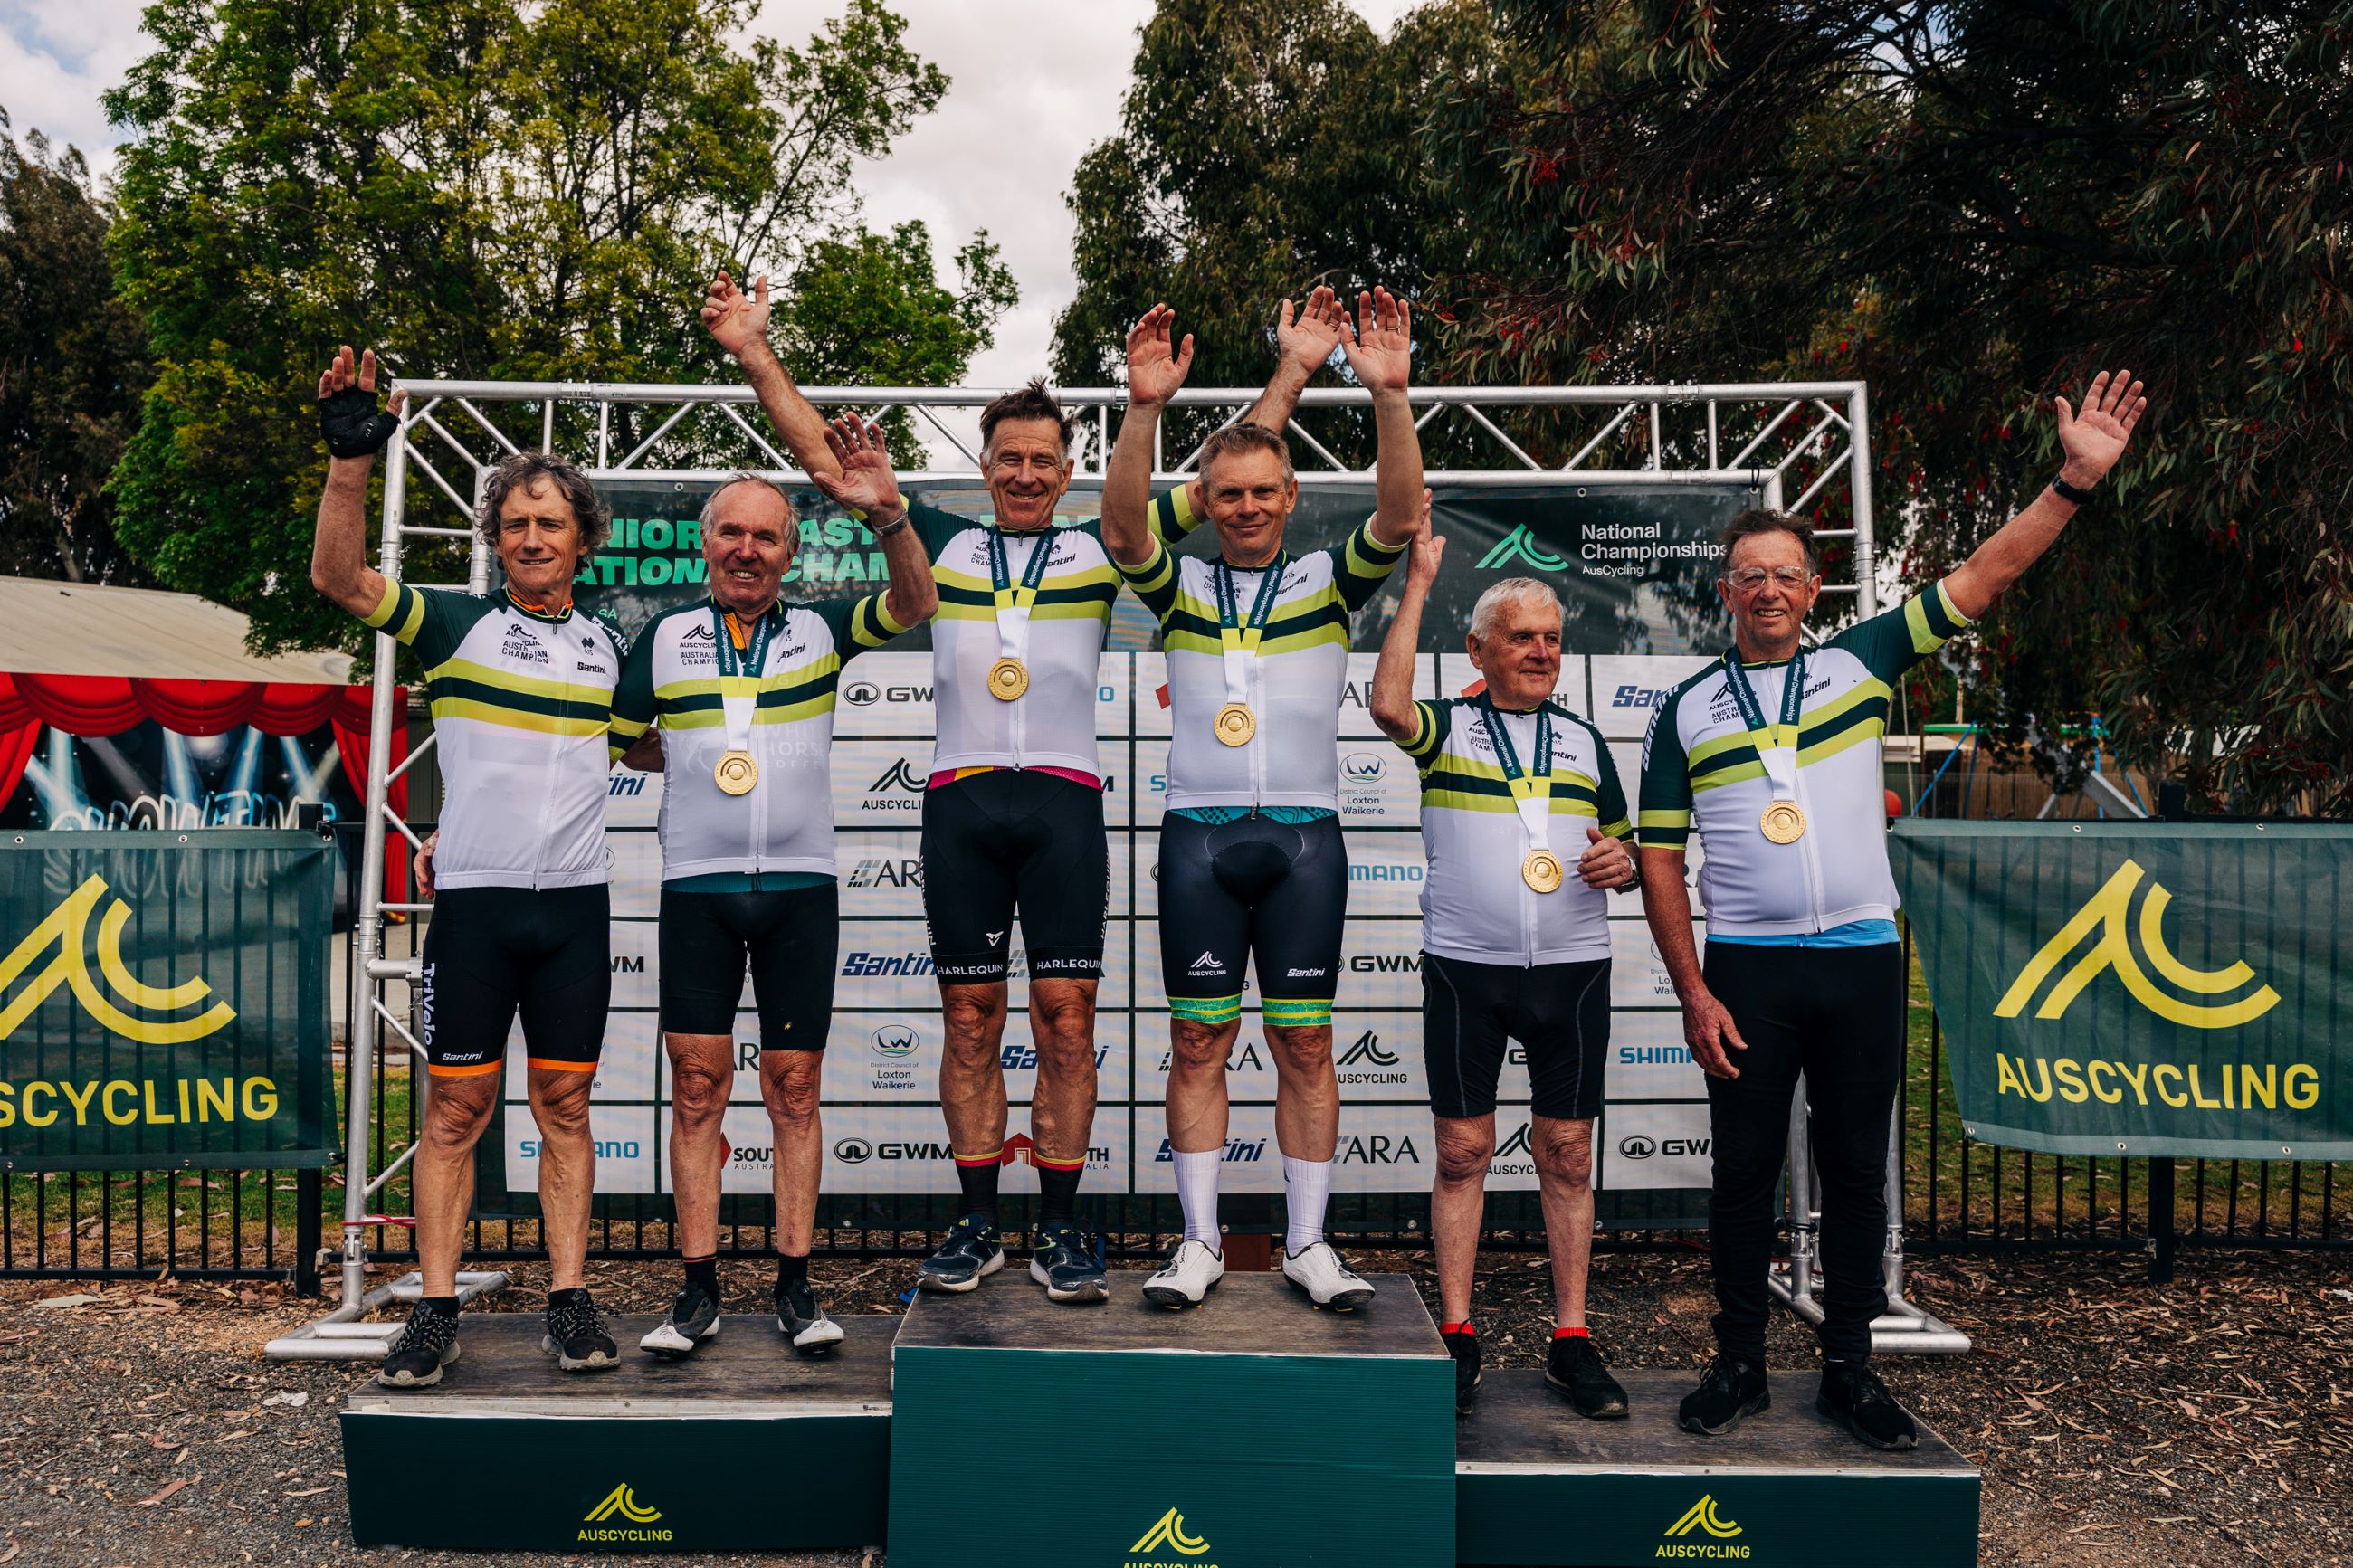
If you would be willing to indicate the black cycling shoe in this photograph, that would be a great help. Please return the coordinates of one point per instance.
(800, 1317)
(1464, 1349)
(1062, 1260)
(1854, 1396)
(1574, 1368)
(1729, 1392)
(576, 1334)
(969, 1254)
(424, 1348)
(693, 1318)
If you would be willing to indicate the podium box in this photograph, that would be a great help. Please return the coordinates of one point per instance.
(1251, 1432)
(1537, 1484)
(745, 1446)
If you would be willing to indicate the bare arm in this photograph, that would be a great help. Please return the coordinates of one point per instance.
(1708, 1029)
(739, 323)
(339, 563)
(2093, 442)
(1393, 708)
(862, 480)
(1380, 352)
(1156, 369)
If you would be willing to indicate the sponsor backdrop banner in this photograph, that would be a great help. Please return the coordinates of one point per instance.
(163, 1000)
(2140, 988)
(1631, 563)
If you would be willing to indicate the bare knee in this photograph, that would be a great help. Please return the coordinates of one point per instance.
(559, 1103)
(1464, 1150)
(698, 1092)
(972, 1019)
(1194, 1047)
(454, 1117)
(1062, 1020)
(1565, 1155)
(1305, 1048)
(788, 1083)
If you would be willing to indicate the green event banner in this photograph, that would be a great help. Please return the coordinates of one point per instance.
(163, 1000)
(2140, 988)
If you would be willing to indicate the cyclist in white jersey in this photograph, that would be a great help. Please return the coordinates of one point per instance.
(1513, 786)
(1772, 755)
(1251, 861)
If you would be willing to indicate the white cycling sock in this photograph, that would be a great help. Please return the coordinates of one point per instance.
(1196, 1190)
(1306, 1188)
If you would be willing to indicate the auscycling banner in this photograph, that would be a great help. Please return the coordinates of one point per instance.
(163, 999)
(2140, 988)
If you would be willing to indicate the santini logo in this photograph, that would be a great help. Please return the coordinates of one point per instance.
(1169, 1534)
(622, 1503)
(2108, 913)
(67, 929)
(1520, 544)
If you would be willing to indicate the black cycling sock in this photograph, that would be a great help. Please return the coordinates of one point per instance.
(1058, 1193)
(705, 1271)
(565, 1298)
(791, 1270)
(978, 1180)
(445, 1305)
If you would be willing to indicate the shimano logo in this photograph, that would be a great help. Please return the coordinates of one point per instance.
(1384, 873)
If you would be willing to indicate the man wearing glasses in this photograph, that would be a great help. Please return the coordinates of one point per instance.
(1772, 753)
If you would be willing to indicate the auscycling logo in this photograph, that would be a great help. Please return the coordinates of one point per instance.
(1701, 1515)
(67, 927)
(1166, 1534)
(622, 1503)
(2108, 912)
(1520, 544)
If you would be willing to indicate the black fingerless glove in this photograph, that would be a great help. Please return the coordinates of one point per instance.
(352, 425)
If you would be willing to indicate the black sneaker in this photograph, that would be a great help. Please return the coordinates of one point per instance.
(693, 1317)
(576, 1334)
(1464, 1349)
(1854, 1396)
(1062, 1260)
(424, 1348)
(800, 1317)
(1574, 1368)
(969, 1254)
(1729, 1392)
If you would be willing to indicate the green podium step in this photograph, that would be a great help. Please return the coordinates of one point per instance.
(1251, 1432)
(1535, 1483)
(742, 1448)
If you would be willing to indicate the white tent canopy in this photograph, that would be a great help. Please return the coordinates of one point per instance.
(48, 627)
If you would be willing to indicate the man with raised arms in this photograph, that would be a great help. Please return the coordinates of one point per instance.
(1512, 949)
(1013, 820)
(1251, 861)
(520, 688)
(742, 685)
(1772, 754)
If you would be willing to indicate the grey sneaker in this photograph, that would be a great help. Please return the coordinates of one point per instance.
(1062, 1260)
(969, 1254)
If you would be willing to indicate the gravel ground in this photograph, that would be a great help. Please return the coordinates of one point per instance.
(2207, 1421)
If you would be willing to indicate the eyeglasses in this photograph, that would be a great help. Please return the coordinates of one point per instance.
(1748, 579)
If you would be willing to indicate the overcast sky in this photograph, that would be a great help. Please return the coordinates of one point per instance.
(1057, 68)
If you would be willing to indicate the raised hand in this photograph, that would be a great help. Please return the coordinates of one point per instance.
(1156, 364)
(1379, 343)
(1428, 549)
(867, 482)
(736, 320)
(2096, 439)
(348, 417)
(1308, 341)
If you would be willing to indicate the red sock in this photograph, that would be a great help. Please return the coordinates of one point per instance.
(1462, 1327)
(1570, 1335)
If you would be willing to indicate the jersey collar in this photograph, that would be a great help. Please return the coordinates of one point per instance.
(554, 618)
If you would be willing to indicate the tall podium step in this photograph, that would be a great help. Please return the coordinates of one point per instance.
(1250, 1432)
(744, 1447)
(1535, 1483)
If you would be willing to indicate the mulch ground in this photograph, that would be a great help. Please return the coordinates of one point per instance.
(2206, 1422)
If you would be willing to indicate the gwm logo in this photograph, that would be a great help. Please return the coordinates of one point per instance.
(2108, 912)
(621, 1503)
(67, 929)
(860, 694)
(1166, 1534)
(1520, 544)
(1701, 1515)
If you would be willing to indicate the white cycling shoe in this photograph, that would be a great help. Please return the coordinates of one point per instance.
(1328, 1282)
(1191, 1272)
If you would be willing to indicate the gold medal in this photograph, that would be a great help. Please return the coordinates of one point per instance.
(1235, 724)
(736, 773)
(1007, 679)
(1784, 822)
(1541, 870)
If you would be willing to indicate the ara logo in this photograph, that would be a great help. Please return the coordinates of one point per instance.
(1377, 1148)
(896, 1040)
(861, 694)
(886, 872)
(66, 929)
(1169, 1532)
(2108, 912)
(1701, 1515)
(1363, 768)
(1520, 544)
(898, 776)
(1368, 1048)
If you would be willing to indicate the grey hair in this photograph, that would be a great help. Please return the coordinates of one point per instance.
(523, 471)
(745, 477)
(1483, 613)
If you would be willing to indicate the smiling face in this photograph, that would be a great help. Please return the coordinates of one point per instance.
(1768, 615)
(1248, 495)
(1519, 653)
(1027, 470)
(748, 545)
(539, 542)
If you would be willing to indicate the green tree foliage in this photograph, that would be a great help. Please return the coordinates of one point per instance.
(72, 364)
(484, 189)
(1972, 206)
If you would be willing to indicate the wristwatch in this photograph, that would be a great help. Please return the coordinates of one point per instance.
(2077, 493)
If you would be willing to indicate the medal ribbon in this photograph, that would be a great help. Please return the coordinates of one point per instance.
(1240, 638)
(739, 673)
(1013, 602)
(1531, 791)
(1776, 745)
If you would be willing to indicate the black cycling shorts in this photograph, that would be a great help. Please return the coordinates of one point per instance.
(490, 952)
(790, 941)
(1013, 839)
(1230, 890)
(1559, 1012)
